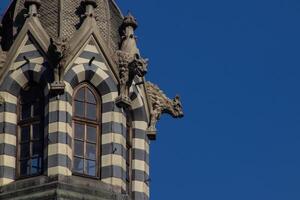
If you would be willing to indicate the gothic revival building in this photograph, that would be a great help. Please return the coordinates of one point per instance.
(76, 113)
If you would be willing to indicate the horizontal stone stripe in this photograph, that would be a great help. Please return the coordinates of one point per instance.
(139, 154)
(11, 86)
(140, 144)
(59, 160)
(9, 117)
(113, 148)
(60, 116)
(110, 97)
(139, 114)
(140, 196)
(112, 127)
(139, 175)
(113, 159)
(5, 181)
(110, 138)
(61, 149)
(91, 48)
(10, 107)
(7, 172)
(141, 134)
(8, 161)
(9, 128)
(7, 149)
(113, 171)
(9, 98)
(59, 127)
(60, 137)
(113, 116)
(29, 55)
(8, 139)
(89, 55)
(140, 165)
(63, 106)
(28, 47)
(108, 107)
(140, 186)
(143, 125)
(59, 170)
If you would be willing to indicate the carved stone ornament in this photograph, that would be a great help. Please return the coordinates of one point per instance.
(60, 51)
(130, 62)
(90, 5)
(32, 7)
(160, 104)
(2, 53)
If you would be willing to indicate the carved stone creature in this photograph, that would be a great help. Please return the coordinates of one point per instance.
(130, 62)
(60, 51)
(161, 104)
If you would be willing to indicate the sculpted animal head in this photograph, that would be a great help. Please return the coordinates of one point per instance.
(177, 106)
(140, 66)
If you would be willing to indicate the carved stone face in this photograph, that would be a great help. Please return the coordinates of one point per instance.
(141, 67)
(177, 106)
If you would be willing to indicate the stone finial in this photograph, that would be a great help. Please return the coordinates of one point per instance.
(129, 20)
(32, 7)
(90, 5)
(130, 62)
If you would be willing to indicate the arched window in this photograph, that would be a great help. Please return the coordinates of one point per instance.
(128, 153)
(31, 131)
(86, 131)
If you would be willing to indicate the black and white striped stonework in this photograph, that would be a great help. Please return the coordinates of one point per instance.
(58, 119)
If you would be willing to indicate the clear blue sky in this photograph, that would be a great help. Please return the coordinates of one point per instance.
(236, 65)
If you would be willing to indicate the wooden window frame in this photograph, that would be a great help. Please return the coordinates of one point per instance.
(88, 122)
(25, 123)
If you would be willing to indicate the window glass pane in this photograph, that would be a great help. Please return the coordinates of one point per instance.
(91, 134)
(79, 131)
(24, 150)
(35, 165)
(91, 167)
(79, 109)
(91, 151)
(80, 94)
(78, 165)
(36, 132)
(79, 148)
(91, 111)
(25, 133)
(90, 97)
(36, 108)
(24, 167)
(36, 148)
(25, 111)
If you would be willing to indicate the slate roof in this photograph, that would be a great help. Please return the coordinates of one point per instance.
(62, 18)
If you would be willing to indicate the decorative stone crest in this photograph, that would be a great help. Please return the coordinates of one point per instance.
(160, 104)
(60, 50)
(130, 62)
(32, 7)
(90, 6)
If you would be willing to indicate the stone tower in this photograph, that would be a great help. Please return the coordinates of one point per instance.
(76, 113)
